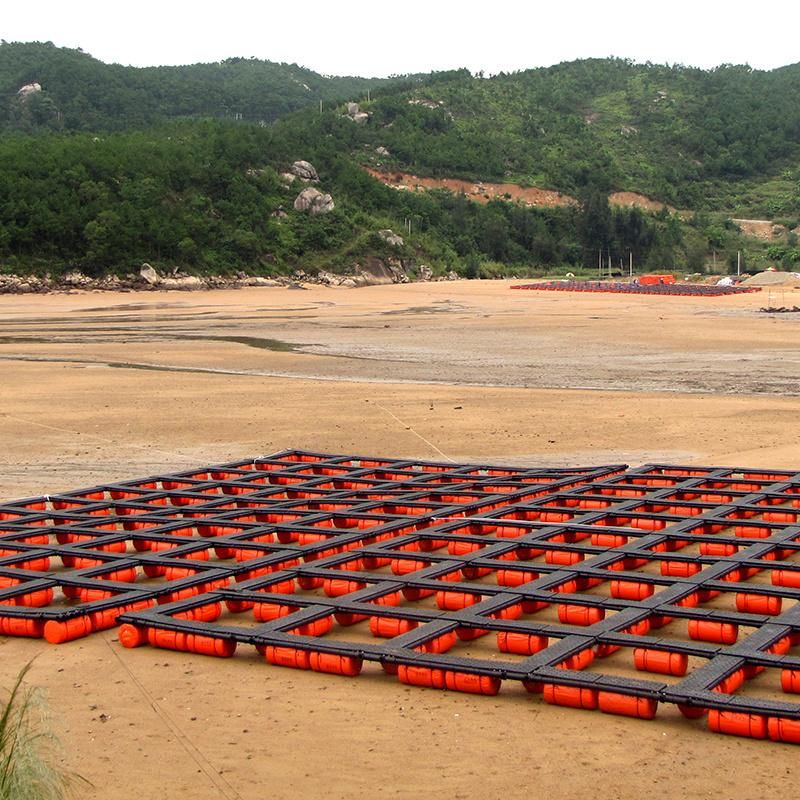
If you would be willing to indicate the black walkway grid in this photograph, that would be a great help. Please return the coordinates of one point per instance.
(600, 587)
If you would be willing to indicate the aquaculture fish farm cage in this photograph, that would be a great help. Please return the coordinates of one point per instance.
(615, 287)
(597, 588)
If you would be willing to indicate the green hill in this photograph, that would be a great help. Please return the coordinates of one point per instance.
(81, 93)
(108, 166)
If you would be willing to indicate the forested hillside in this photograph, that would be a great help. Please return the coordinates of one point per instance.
(80, 93)
(105, 166)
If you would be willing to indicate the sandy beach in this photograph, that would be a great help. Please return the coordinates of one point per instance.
(103, 386)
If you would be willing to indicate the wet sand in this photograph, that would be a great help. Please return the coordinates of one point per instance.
(101, 386)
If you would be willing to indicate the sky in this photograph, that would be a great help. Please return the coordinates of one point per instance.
(375, 39)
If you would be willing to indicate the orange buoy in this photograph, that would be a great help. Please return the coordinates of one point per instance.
(238, 606)
(469, 634)
(570, 614)
(319, 627)
(680, 569)
(523, 644)
(36, 599)
(414, 593)
(692, 712)
(710, 631)
(335, 664)
(533, 687)
(660, 661)
(440, 644)
(578, 661)
(515, 577)
(191, 643)
(287, 657)
(782, 729)
(18, 626)
(266, 612)
(626, 705)
(472, 684)
(730, 684)
(454, 601)
(60, 631)
(570, 696)
(785, 577)
(132, 635)
(562, 557)
(388, 628)
(631, 590)
(753, 726)
(758, 603)
(206, 613)
(421, 676)
(790, 680)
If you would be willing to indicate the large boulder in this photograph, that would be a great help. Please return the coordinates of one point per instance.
(391, 238)
(314, 202)
(28, 89)
(149, 275)
(304, 171)
(185, 283)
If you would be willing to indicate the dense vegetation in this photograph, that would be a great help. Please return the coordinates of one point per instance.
(678, 134)
(81, 93)
(110, 166)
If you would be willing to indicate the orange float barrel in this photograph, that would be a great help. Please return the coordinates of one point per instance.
(17, 626)
(472, 684)
(711, 631)
(523, 644)
(335, 664)
(758, 603)
(570, 696)
(790, 680)
(388, 628)
(781, 729)
(421, 676)
(753, 726)
(569, 614)
(660, 661)
(631, 590)
(60, 631)
(132, 635)
(626, 705)
(287, 657)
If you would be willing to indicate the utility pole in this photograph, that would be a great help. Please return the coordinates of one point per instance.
(600, 264)
(738, 262)
(320, 106)
(630, 263)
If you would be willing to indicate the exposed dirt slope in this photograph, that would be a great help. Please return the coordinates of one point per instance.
(483, 191)
(762, 229)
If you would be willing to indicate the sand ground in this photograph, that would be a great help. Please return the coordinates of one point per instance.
(97, 387)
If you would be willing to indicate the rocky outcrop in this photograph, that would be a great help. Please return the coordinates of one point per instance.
(305, 171)
(28, 89)
(149, 275)
(391, 238)
(424, 273)
(314, 202)
(184, 282)
(355, 113)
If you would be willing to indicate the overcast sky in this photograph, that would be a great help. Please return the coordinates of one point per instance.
(352, 37)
